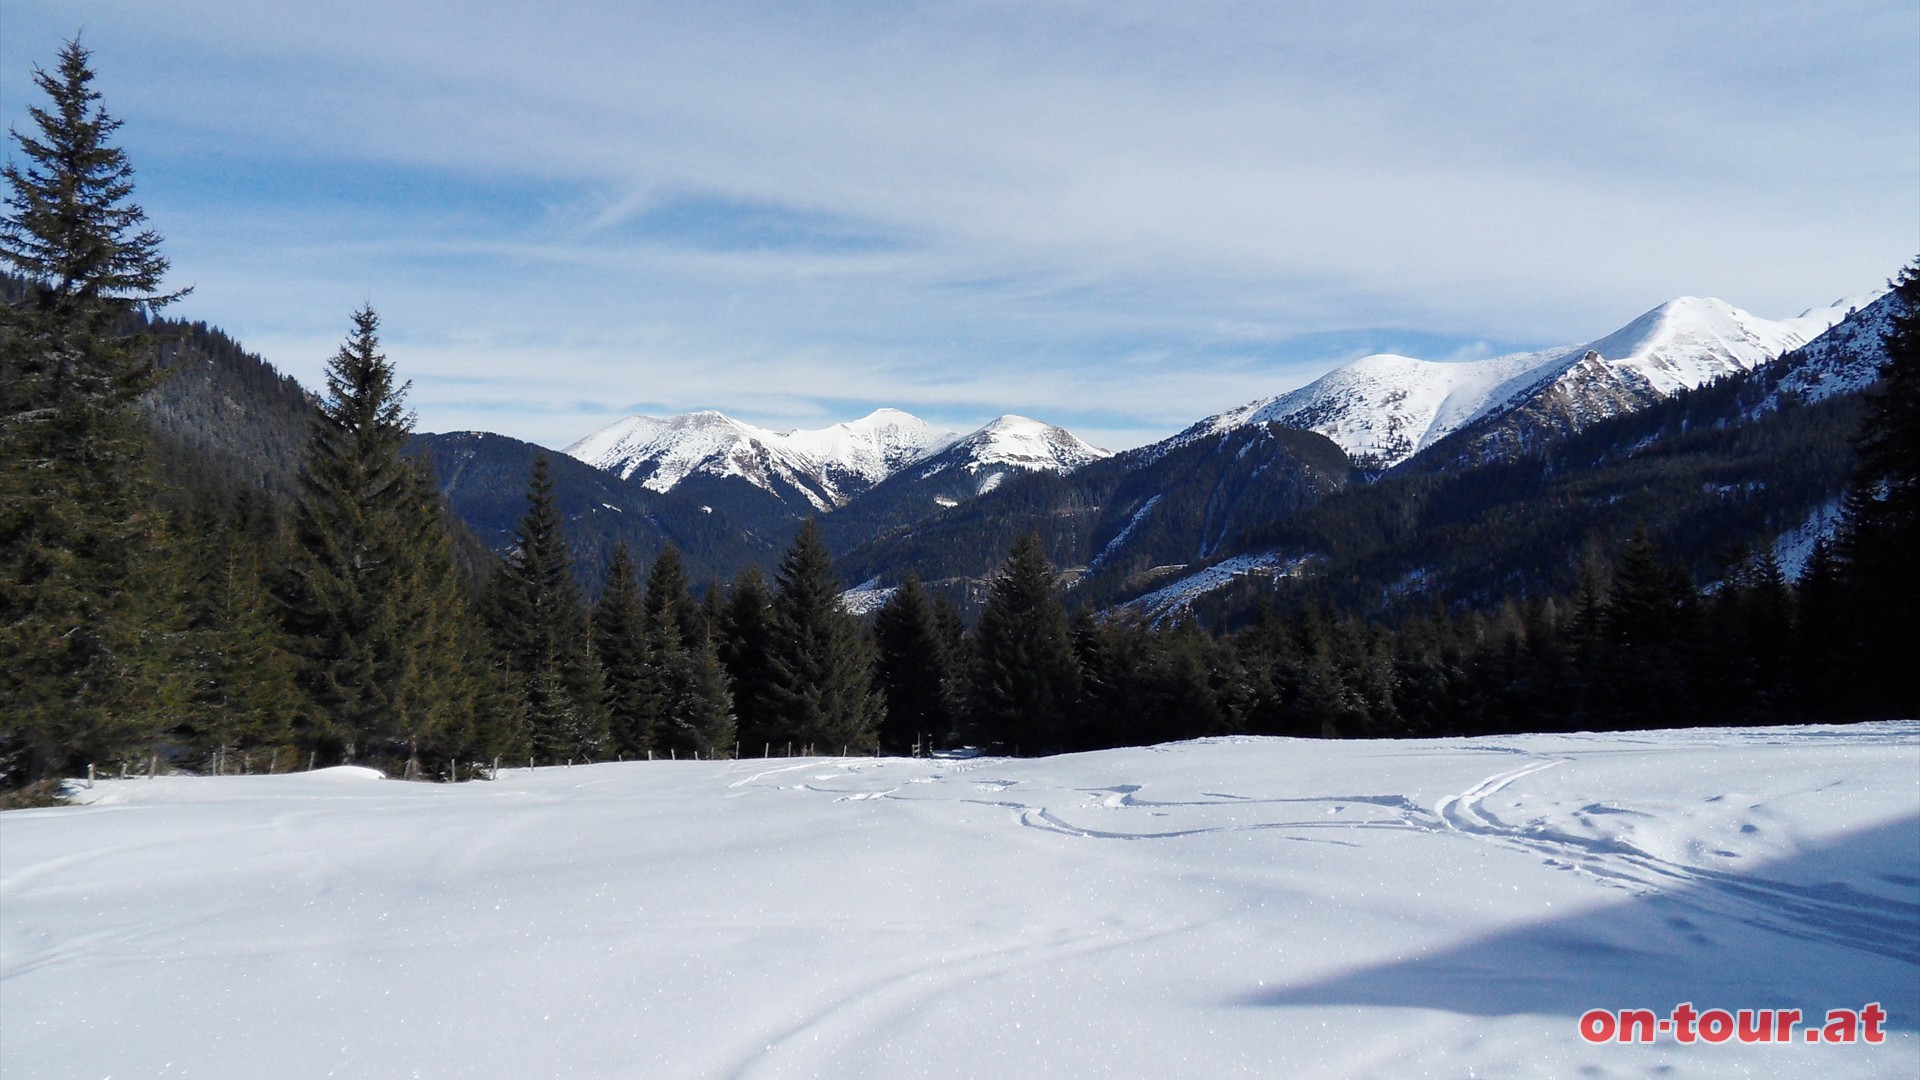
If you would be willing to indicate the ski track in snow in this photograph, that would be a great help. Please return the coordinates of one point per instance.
(993, 893)
(1833, 913)
(866, 1013)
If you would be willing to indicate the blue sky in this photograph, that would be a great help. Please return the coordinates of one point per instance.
(1114, 215)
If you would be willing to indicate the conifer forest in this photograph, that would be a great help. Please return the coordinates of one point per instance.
(305, 595)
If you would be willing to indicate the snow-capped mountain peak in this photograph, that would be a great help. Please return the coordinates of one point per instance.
(827, 465)
(873, 447)
(1011, 443)
(662, 451)
(1031, 444)
(1692, 340)
(1385, 408)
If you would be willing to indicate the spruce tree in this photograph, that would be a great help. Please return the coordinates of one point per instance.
(242, 679)
(1648, 633)
(821, 685)
(1746, 650)
(541, 636)
(700, 710)
(913, 670)
(668, 600)
(372, 599)
(1106, 654)
(688, 703)
(85, 562)
(1025, 682)
(1824, 641)
(1881, 532)
(620, 639)
(746, 652)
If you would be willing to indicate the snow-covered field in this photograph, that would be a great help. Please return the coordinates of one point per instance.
(1237, 907)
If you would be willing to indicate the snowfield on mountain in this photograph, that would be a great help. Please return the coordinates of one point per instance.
(1385, 408)
(1232, 907)
(1013, 443)
(826, 466)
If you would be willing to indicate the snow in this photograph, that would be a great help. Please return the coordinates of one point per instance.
(821, 464)
(1120, 538)
(1015, 442)
(1230, 907)
(829, 465)
(1172, 601)
(867, 597)
(1691, 341)
(666, 450)
(1793, 548)
(873, 447)
(1848, 359)
(1387, 407)
(1233, 907)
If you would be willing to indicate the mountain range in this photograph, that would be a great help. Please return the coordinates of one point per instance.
(1714, 428)
(1380, 410)
(824, 469)
(1350, 485)
(820, 469)
(1383, 409)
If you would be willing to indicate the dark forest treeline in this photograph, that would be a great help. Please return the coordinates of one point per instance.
(156, 604)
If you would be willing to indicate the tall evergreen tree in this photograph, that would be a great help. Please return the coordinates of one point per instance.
(746, 651)
(541, 637)
(242, 679)
(620, 639)
(1106, 652)
(1824, 636)
(687, 701)
(1182, 696)
(375, 606)
(1649, 634)
(821, 689)
(85, 562)
(669, 604)
(914, 671)
(1745, 652)
(1881, 533)
(1025, 682)
(699, 712)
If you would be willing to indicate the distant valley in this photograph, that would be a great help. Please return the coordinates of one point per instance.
(1711, 425)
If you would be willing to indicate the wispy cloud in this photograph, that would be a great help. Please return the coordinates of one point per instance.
(1124, 213)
